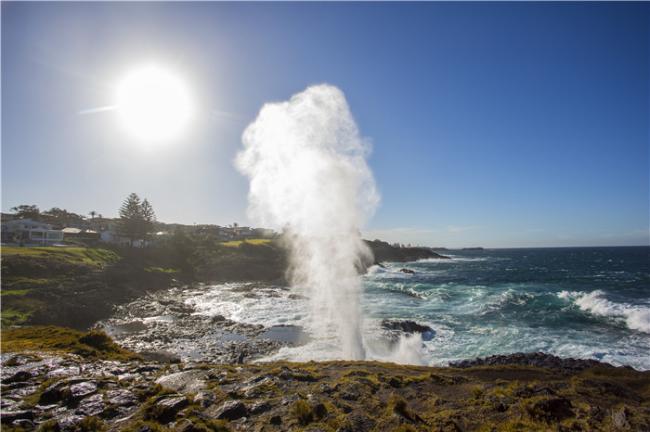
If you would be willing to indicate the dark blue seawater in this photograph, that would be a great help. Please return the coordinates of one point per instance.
(572, 302)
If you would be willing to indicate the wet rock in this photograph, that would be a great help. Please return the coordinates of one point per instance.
(205, 399)
(160, 356)
(82, 390)
(91, 406)
(537, 359)
(231, 410)
(407, 271)
(166, 409)
(21, 391)
(18, 377)
(24, 424)
(190, 381)
(260, 408)
(63, 372)
(9, 417)
(147, 368)
(69, 422)
(406, 326)
(257, 389)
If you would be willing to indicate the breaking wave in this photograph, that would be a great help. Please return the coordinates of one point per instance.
(595, 302)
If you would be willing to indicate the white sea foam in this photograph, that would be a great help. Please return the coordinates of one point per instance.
(454, 259)
(595, 302)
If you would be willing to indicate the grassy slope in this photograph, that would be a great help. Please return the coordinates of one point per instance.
(93, 344)
(237, 243)
(72, 255)
(38, 284)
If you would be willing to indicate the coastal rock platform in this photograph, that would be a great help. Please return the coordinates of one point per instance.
(66, 392)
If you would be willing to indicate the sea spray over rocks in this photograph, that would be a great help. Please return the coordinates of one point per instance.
(306, 162)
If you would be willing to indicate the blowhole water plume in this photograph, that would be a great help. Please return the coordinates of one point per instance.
(306, 163)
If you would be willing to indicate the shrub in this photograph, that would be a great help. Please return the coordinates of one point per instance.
(303, 412)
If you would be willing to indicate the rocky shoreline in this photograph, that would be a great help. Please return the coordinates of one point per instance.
(65, 392)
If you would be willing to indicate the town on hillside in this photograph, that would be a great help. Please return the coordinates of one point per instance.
(136, 226)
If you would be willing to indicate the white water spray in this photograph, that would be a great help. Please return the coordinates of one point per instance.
(308, 175)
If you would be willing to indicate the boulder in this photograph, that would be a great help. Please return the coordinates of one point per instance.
(18, 377)
(407, 271)
(165, 409)
(81, 390)
(91, 406)
(406, 326)
(188, 381)
(231, 410)
(121, 397)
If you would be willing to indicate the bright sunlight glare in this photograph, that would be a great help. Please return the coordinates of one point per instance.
(153, 104)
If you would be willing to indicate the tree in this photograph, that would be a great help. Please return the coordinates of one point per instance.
(26, 211)
(92, 214)
(62, 217)
(136, 218)
(131, 218)
(148, 218)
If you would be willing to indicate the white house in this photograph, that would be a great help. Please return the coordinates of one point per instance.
(30, 232)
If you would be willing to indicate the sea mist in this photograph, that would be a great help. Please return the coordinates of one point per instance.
(306, 163)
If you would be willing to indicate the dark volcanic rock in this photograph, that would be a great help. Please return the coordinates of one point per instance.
(406, 326)
(91, 406)
(231, 410)
(9, 417)
(407, 271)
(121, 397)
(167, 408)
(537, 359)
(383, 251)
(82, 390)
(20, 376)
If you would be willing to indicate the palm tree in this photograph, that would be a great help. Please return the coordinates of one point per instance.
(92, 214)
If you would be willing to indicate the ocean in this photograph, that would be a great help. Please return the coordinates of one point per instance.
(572, 302)
(591, 303)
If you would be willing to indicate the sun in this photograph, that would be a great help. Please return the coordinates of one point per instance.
(153, 104)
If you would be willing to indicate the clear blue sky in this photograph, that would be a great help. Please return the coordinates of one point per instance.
(492, 124)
